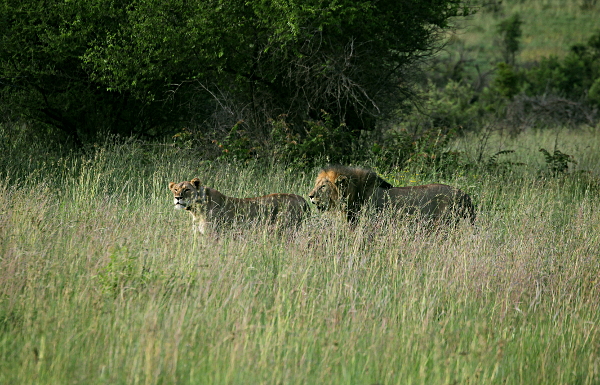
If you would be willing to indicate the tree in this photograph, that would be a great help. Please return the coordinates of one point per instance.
(121, 65)
(42, 74)
(510, 32)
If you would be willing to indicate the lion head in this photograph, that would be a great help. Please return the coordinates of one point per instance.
(346, 188)
(326, 194)
(187, 194)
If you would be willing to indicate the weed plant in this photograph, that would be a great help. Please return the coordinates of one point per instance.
(102, 282)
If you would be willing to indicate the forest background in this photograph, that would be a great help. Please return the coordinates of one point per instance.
(348, 80)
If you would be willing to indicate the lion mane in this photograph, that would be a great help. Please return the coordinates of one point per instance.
(351, 189)
(211, 210)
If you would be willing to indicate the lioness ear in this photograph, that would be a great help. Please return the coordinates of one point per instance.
(196, 183)
(171, 186)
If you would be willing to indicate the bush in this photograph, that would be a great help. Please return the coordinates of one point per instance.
(507, 81)
(322, 139)
(426, 150)
(557, 162)
(575, 77)
(151, 67)
(453, 106)
(237, 144)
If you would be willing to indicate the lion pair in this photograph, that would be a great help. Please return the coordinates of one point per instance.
(338, 188)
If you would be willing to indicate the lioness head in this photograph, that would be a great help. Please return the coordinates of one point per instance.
(186, 194)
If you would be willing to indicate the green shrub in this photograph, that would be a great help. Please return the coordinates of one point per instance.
(452, 106)
(574, 77)
(237, 144)
(425, 151)
(594, 92)
(557, 162)
(495, 166)
(321, 139)
(507, 81)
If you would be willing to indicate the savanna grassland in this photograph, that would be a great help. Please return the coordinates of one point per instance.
(102, 282)
(549, 28)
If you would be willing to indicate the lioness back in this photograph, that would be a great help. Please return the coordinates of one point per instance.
(273, 207)
(211, 210)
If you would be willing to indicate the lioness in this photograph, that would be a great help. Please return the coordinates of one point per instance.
(350, 189)
(211, 210)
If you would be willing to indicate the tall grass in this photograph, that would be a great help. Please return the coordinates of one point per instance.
(580, 143)
(550, 28)
(102, 282)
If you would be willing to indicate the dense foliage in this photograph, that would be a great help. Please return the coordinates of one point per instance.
(504, 79)
(153, 67)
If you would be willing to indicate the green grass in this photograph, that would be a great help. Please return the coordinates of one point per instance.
(580, 144)
(102, 282)
(550, 28)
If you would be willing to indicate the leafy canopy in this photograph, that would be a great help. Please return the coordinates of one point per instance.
(148, 65)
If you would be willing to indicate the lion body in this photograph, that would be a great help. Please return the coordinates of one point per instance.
(212, 210)
(352, 189)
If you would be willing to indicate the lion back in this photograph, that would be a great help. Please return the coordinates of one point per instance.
(433, 201)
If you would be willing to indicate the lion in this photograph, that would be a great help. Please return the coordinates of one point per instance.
(211, 210)
(352, 189)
